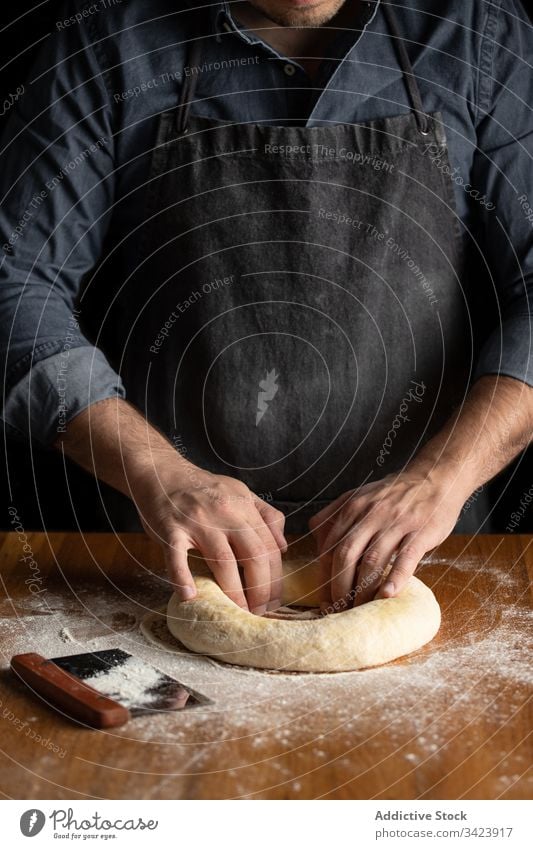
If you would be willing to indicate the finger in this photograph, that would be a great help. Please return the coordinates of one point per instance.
(321, 522)
(345, 560)
(276, 583)
(410, 553)
(320, 534)
(320, 528)
(176, 561)
(254, 558)
(220, 558)
(373, 564)
(325, 586)
(275, 520)
(353, 510)
(276, 569)
(276, 580)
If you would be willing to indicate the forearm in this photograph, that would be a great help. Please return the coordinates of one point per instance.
(490, 429)
(405, 515)
(182, 506)
(114, 442)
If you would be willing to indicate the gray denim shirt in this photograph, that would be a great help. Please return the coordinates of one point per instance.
(76, 152)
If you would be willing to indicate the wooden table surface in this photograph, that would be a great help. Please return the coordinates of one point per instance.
(450, 721)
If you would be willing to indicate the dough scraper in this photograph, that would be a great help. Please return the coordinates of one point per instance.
(104, 689)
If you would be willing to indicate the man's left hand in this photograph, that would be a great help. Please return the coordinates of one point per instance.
(358, 534)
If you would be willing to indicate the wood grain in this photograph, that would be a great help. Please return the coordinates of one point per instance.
(462, 733)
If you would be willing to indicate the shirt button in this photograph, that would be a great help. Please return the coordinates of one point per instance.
(289, 70)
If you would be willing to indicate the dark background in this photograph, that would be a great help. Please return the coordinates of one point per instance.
(33, 480)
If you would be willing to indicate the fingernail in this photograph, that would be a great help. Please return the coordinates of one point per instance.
(186, 593)
(388, 589)
(260, 610)
(273, 605)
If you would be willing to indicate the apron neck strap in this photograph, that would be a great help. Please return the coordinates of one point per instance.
(194, 53)
(407, 69)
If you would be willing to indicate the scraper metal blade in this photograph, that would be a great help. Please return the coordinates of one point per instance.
(105, 688)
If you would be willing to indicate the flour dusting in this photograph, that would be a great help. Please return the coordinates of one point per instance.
(129, 683)
(475, 675)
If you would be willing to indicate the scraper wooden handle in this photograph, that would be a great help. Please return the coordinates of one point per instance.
(68, 693)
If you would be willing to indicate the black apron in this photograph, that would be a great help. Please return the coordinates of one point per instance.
(298, 318)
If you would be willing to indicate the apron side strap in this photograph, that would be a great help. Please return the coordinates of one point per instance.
(411, 83)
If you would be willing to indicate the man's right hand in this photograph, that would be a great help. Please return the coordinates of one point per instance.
(183, 507)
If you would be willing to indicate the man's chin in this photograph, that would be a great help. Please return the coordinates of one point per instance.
(285, 13)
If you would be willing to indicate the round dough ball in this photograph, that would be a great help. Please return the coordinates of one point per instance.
(369, 635)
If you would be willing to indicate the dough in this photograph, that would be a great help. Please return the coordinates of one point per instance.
(369, 635)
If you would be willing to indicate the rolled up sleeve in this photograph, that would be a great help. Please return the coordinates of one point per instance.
(503, 169)
(63, 385)
(56, 185)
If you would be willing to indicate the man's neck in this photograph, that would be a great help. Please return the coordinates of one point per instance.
(306, 45)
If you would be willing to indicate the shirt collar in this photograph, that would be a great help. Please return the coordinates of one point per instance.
(224, 22)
